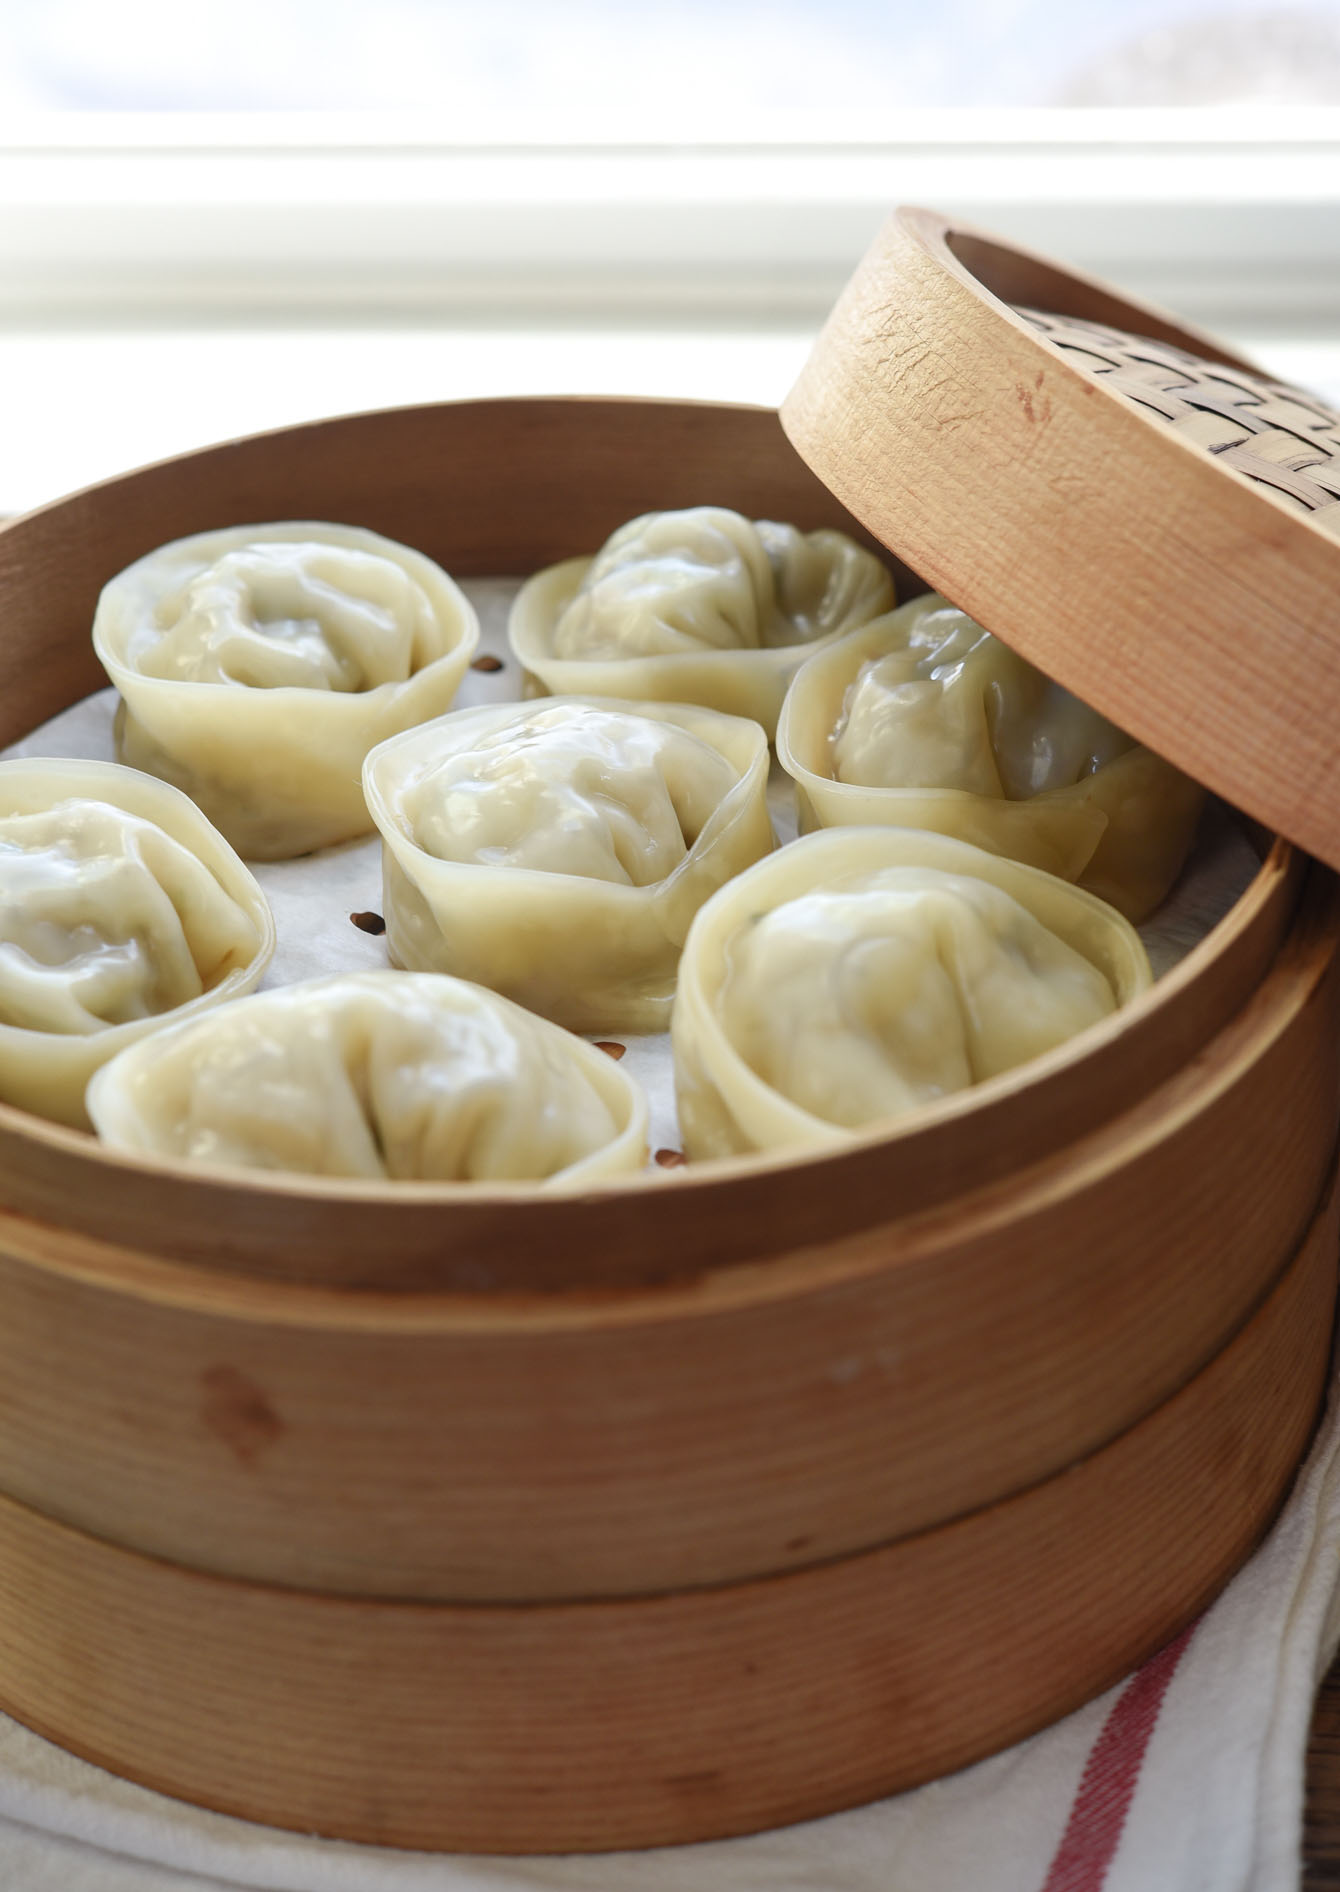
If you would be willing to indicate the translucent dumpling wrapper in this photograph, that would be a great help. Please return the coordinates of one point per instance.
(257, 666)
(922, 719)
(120, 908)
(377, 1076)
(700, 606)
(557, 851)
(865, 973)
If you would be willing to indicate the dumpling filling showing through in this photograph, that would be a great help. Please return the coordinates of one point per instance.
(923, 719)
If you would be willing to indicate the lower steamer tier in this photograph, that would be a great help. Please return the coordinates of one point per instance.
(678, 1712)
(688, 1716)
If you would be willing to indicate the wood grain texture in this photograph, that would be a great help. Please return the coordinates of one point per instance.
(656, 1720)
(1188, 603)
(503, 486)
(1321, 1812)
(529, 1447)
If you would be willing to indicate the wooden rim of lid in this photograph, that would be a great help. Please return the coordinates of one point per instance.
(1139, 512)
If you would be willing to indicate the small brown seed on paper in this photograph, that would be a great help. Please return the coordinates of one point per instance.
(368, 922)
(487, 663)
(611, 1048)
(671, 1159)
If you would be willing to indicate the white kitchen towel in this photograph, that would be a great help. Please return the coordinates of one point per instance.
(1188, 1777)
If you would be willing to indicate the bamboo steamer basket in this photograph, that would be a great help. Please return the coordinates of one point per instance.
(471, 1519)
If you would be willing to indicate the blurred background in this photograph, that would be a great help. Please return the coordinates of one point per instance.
(231, 214)
(530, 70)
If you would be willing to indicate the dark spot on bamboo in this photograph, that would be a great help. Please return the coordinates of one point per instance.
(1036, 412)
(237, 1410)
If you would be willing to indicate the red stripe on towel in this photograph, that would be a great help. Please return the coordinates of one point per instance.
(1107, 1785)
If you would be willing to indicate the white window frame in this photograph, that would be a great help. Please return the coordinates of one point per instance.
(114, 219)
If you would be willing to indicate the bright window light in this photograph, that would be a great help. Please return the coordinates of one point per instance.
(592, 70)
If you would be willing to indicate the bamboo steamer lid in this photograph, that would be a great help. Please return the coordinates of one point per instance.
(1133, 508)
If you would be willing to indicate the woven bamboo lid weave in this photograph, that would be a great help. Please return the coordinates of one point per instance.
(1145, 516)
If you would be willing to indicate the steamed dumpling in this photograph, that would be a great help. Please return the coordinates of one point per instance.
(699, 606)
(862, 973)
(557, 851)
(956, 708)
(379, 1076)
(305, 615)
(674, 581)
(572, 788)
(104, 919)
(924, 719)
(119, 905)
(898, 987)
(708, 579)
(257, 666)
